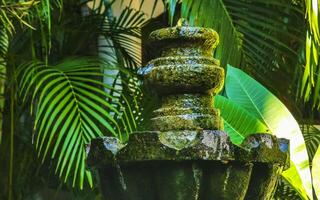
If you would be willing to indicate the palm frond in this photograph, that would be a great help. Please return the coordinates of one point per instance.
(285, 191)
(4, 44)
(312, 138)
(15, 11)
(310, 81)
(72, 107)
(124, 32)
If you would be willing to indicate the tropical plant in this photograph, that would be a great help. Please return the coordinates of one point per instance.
(260, 111)
(316, 172)
(13, 13)
(61, 79)
(310, 85)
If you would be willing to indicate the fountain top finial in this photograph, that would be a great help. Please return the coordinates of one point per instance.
(183, 22)
(183, 32)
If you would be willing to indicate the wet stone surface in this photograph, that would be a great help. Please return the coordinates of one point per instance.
(205, 161)
(185, 155)
(264, 148)
(183, 145)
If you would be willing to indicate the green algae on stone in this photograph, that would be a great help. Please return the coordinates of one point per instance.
(143, 146)
(262, 185)
(263, 148)
(184, 60)
(195, 78)
(188, 101)
(186, 155)
(204, 37)
(192, 121)
(186, 76)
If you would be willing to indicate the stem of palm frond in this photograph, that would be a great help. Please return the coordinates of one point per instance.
(3, 51)
(12, 101)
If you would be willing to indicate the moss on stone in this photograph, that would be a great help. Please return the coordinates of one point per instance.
(186, 155)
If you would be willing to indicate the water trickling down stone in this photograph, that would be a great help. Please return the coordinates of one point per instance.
(186, 155)
(179, 139)
(114, 145)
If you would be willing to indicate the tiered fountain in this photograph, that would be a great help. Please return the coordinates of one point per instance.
(186, 155)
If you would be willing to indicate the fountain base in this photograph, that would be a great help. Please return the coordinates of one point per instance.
(189, 166)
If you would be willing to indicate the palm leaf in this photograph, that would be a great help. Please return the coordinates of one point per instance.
(285, 191)
(263, 105)
(124, 32)
(310, 84)
(4, 44)
(72, 108)
(15, 11)
(312, 137)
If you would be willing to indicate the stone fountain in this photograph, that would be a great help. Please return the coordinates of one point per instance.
(186, 155)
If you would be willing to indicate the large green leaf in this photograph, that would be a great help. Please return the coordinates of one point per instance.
(238, 122)
(316, 173)
(262, 104)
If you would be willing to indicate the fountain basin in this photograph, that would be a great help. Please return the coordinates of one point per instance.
(190, 165)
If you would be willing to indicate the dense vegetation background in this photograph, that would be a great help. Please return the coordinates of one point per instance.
(73, 66)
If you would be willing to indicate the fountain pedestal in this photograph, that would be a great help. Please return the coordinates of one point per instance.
(186, 155)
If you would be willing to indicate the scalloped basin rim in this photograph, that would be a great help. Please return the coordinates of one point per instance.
(191, 145)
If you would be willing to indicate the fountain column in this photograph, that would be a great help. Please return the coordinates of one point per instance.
(186, 155)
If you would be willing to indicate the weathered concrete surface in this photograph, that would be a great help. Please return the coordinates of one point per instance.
(185, 155)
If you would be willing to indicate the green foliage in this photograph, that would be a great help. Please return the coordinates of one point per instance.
(65, 88)
(72, 107)
(124, 32)
(251, 96)
(12, 10)
(229, 50)
(310, 84)
(316, 172)
(312, 137)
(4, 44)
(285, 191)
(238, 122)
(258, 36)
(293, 177)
